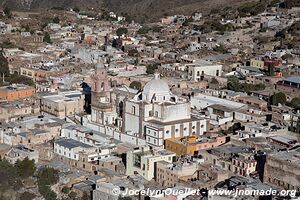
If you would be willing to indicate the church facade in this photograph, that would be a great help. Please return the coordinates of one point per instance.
(152, 115)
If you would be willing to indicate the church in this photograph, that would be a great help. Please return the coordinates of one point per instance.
(156, 114)
(153, 114)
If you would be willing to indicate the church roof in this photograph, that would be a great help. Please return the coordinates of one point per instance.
(156, 87)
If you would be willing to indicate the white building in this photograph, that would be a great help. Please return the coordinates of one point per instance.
(20, 152)
(63, 104)
(202, 101)
(200, 68)
(103, 145)
(154, 114)
(143, 159)
(70, 148)
(194, 46)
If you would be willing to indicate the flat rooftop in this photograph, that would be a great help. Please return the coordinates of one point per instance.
(70, 143)
(64, 96)
(293, 79)
(15, 87)
(292, 156)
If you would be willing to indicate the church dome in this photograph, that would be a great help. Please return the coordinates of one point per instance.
(156, 89)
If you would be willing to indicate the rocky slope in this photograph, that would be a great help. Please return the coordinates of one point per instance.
(140, 10)
(48, 4)
(153, 9)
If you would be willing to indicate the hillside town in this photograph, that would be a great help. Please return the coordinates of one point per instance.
(94, 105)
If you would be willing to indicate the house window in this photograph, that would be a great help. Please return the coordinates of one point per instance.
(150, 113)
(133, 110)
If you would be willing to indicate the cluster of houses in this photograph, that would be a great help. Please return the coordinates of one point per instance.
(152, 110)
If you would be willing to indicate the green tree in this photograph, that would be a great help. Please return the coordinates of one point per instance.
(144, 30)
(56, 20)
(278, 98)
(122, 31)
(25, 168)
(76, 9)
(47, 177)
(233, 83)
(135, 85)
(295, 103)
(151, 68)
(4, 69)
(82, 36)
(44, 25)
(65, 190)
(47, 38)
(232, 129)
(7, 12)
(9, 177)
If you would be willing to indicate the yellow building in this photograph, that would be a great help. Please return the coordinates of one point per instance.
(257, 63)
(189, 145)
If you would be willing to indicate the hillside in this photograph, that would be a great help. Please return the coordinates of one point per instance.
(48, 4)
(154, 9)
(140, 10)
